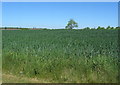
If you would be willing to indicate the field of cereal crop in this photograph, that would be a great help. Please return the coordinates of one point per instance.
(61, 56)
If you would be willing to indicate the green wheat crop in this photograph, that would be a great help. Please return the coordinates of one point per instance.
(72, 56)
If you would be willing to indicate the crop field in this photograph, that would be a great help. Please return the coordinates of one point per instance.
(61, 56)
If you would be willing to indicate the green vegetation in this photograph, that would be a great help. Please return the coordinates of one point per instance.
(71, 24)
(0, 56)
(10, 78)
(72, 56)
(13, 28)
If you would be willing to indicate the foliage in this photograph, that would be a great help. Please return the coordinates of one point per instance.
(87, 28)
(71, 56)
(100, 27)
(24, 28)
(110, 27)
(117, 28)
(71, 24)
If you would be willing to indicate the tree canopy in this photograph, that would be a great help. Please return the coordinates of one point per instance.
(71, 24)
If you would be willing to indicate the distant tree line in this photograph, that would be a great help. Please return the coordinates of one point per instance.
(72, 24)
(21, 28)
(103, 28)
(67, 27)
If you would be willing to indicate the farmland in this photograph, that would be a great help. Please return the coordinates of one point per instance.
(62, 56)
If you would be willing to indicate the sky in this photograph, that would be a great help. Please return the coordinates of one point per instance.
(0, 14)
(60, 0)
(55, 15)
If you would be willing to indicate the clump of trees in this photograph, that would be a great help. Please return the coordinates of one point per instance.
(117, 28)
(86, 28)
(71, 24)
(110, 27)
(99, 28)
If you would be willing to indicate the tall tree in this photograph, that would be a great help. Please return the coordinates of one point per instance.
(71, 24)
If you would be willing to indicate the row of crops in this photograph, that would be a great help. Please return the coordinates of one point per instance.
(75, 56)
